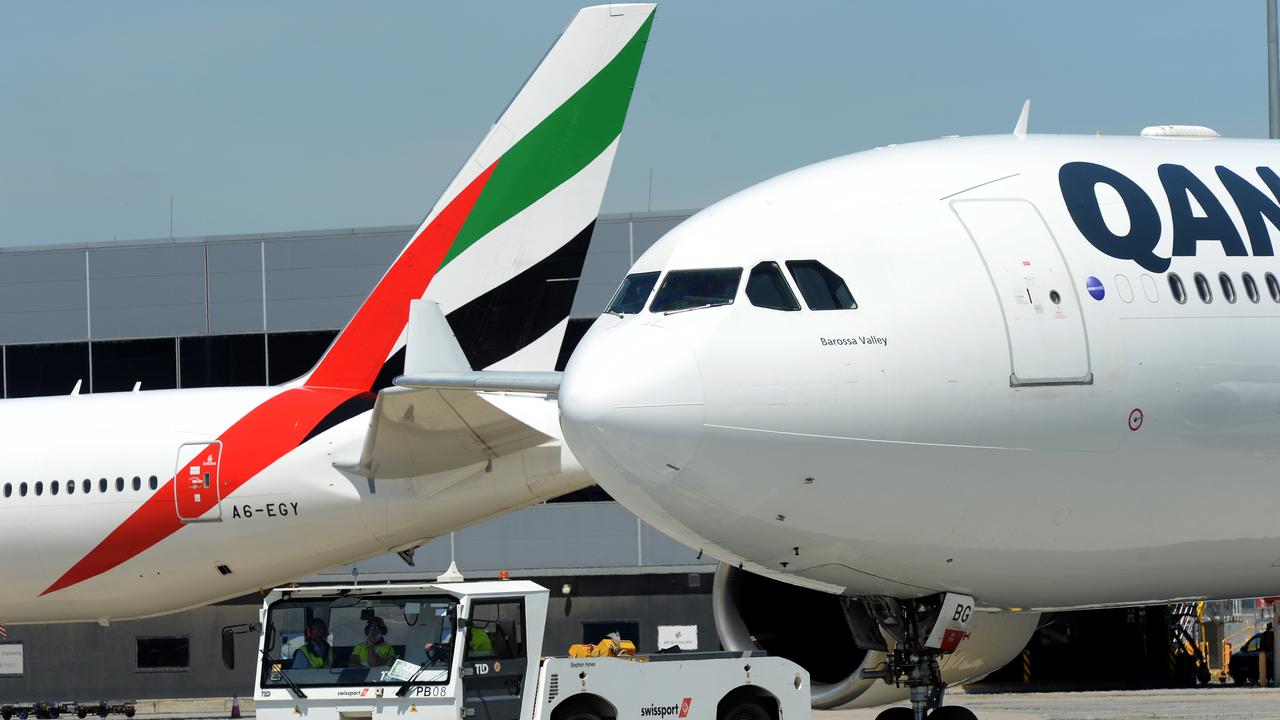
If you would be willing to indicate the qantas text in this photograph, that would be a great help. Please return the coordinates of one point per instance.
(1191, 226)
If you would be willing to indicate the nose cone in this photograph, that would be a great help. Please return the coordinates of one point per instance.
(631, 404)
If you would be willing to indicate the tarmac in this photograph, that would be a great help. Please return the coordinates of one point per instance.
(1227, 703)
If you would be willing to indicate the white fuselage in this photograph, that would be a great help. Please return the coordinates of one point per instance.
(959, 431)
(124, 553)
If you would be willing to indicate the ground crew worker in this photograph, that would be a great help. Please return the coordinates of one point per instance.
(316, 652)
(374, 651)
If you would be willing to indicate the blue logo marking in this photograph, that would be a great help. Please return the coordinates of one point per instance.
(1094, 285)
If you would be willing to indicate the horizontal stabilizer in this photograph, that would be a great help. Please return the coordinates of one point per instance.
(414, 432)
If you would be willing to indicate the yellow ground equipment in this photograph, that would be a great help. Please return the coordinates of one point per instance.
(611, 646)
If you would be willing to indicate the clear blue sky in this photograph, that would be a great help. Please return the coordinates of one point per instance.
(264, 117)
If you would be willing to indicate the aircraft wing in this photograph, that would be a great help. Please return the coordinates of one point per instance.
(439, 418)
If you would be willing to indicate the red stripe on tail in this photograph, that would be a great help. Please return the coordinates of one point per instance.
(357, 355)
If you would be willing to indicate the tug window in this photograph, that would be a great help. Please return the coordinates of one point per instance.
(1250, 287)
(822, 289)
(1176, 287)
(690, 289)
(1228, 287)
(767, 288)
(1273, 287)
(633, 293)
(1203, 289)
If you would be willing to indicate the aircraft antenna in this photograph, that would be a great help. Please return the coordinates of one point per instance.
(1020, 129)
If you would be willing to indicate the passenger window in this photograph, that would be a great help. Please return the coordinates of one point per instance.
(767, 288)
(8, 489)
(153, 482)
(102, 484)
(1203, 289)
(1176, 287)
(54, 487)
(22, 489)
(39, 487)
(1250, 287)
(71, 487)
(822, 289)
(1228, 287)
(88, 486)
(137, 483)
(119, 484)
(633, 293)
(1273, 287)
(690, 289)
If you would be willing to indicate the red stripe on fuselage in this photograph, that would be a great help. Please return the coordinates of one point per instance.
(357, 355)
(255, 441)
(279, 425)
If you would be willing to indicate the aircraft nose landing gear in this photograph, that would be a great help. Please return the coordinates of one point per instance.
(922, 630)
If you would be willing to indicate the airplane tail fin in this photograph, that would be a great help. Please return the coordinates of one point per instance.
(503, 247)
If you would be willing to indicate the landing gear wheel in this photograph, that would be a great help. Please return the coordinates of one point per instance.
(952, 712)
(896, 713)
(746, 710)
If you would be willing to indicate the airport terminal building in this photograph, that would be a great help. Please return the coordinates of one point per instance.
(261, 309)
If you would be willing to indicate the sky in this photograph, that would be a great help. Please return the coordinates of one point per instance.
(273, 117)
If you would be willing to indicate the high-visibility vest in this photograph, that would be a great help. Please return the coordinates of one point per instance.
(316, 661)
(480, 641)
(383, 650)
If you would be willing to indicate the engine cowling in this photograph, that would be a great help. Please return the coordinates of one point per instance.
(753, 612)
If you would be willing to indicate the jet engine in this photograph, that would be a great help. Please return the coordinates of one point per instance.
(753, 612)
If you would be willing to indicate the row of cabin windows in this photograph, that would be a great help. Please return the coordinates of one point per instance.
(54, 487)
(766, 287)
(1204, 288)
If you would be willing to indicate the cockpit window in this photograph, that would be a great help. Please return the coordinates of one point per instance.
(767, 288)
(822, 289)
(689, 289)
(633, 293)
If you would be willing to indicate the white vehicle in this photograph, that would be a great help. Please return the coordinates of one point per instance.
(127, 505)
(389, 651)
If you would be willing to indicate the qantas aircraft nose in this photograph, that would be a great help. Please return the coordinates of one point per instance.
(631, 404)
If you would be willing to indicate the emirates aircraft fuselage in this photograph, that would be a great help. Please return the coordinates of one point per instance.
(272, 501)
(1060, 385)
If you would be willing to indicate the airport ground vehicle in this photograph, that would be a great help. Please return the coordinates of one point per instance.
(55, 710)
(1244, 667)
(315, 640)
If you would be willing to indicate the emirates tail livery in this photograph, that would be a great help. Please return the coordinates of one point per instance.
(938, 388)
(133, 504)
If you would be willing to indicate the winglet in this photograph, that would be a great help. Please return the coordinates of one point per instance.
(434, 360)
(430, 344)
(1020, 130)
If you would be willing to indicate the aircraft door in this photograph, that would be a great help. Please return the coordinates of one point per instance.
(196, 492)
(1037, 295)
(494, 660)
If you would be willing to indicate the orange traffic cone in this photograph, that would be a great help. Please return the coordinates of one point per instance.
(235, 706)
